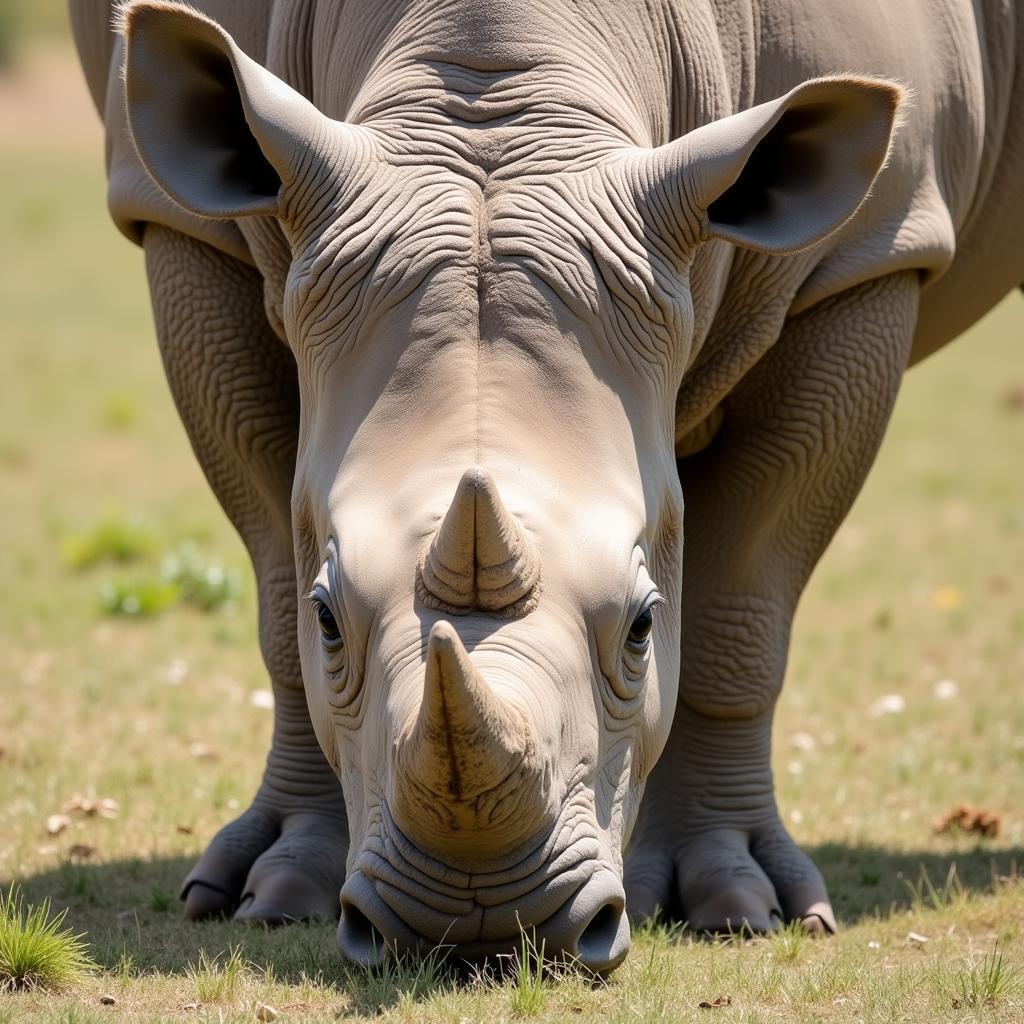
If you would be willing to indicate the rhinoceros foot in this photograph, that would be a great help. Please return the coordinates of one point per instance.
(270, 866)
(725, 880)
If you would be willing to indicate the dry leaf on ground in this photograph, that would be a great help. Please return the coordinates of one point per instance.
(92, 807)
(969, 819)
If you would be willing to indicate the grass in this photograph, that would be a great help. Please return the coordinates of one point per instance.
(921, 587)
(530, 992)
(112, 539)
(217, 979)
(986, 983)
(36, 951)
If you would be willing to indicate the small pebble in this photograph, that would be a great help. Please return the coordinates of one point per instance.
(803, 741)
(945, 689)
(890, 704)
(265, 1013)
(56, 823)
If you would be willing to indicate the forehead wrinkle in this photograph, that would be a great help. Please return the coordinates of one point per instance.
(573, 233)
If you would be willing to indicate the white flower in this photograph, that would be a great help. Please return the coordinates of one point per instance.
(890, 704)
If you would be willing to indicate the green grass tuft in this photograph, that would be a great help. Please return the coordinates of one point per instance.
(36, 952)
(217, 979)
(788, 942)
(113, 539)
(530, 992)
(984, 984)
(185, 577)
(401, 977)
(205, 585)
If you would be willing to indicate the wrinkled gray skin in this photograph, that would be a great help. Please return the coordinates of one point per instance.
(454, 340)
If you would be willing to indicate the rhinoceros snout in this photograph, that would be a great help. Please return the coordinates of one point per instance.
(590, 929)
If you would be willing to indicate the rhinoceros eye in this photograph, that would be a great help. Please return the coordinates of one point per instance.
(640, 632)
(329, 631)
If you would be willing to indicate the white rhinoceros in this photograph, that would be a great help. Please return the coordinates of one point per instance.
(458, 300)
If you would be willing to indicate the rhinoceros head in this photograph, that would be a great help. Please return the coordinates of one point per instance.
(490, 332)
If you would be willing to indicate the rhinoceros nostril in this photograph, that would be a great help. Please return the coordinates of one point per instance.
(591, 928)
(605, 940)
(598, 938)
(358, 939)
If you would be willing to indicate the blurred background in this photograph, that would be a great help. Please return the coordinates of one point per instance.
(134, 711)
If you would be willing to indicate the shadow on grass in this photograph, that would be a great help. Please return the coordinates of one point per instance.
(132, 919)
(872, 881)
(131, 914)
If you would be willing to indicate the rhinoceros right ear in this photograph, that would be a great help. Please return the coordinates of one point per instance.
(218, 132)
(783, 175)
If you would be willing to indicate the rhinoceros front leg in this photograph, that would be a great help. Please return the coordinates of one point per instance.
(234, 385)
(762, 503)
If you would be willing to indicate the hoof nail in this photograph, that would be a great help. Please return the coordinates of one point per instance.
(204, 901)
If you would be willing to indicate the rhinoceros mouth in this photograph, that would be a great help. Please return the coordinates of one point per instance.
(399, 897)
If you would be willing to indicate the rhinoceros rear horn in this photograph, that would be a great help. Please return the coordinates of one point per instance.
(217, 132)
(480, 559)
(780, 176)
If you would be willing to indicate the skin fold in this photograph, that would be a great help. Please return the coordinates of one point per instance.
(479, 316)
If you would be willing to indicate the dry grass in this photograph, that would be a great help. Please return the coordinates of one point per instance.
(920, 598)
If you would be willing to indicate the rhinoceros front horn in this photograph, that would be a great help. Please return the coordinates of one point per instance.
(480, 559)
(469, 779)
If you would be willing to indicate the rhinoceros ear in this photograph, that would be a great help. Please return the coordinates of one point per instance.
(785, 174)
(218, 132)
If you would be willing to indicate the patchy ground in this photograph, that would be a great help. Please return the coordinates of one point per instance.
(134, 718)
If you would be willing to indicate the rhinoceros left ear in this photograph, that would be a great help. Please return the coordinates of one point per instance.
(218, 132)
(785, 174)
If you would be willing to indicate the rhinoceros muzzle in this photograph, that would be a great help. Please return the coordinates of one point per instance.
(562, 894)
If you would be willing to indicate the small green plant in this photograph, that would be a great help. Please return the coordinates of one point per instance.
(36, 951)
(530, 992)
(160, 900)
(788, 942)
(206, 585)
(125, 970)
(137, 598)
(77, 883)
(113, 539)
(119, 412)
(185, 577)
(980, 985)
(215, 979)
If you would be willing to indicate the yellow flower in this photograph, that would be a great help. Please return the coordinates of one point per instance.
(947, 597)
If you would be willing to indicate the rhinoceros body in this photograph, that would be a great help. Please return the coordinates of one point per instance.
(460, 300)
